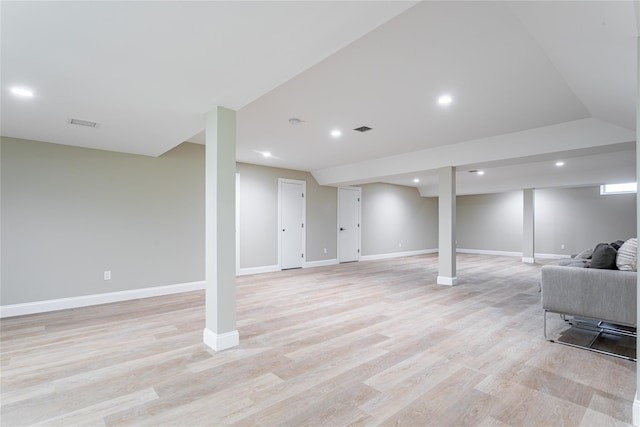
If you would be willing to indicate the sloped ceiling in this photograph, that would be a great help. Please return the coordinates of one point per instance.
(148, 71)
(531, 82)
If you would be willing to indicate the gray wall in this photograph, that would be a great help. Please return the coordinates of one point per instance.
(397, 219)
(69, 214)
(577, 218)
(259, 216)
(580, 218)
(491, 222)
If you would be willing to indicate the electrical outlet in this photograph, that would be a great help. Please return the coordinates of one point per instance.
(325, 250)
(562, 246)
(107, 275)
(399, 245)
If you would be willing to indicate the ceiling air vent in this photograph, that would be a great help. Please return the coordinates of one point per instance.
(363, 129)
(85, 123)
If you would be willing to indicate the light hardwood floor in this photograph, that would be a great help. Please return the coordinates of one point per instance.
(366, 343)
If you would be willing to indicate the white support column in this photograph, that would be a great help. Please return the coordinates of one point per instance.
(447, 227)
(220, 329)
(528, 226)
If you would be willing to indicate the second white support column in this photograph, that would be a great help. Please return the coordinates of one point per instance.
(528, 226)
(447, 227)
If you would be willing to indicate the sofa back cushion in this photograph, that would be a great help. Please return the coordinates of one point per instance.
(604, 256)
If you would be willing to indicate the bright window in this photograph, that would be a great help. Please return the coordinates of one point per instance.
(629, 187)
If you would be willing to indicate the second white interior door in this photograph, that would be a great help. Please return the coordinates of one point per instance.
(292, 224)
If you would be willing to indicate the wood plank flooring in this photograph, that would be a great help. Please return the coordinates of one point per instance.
(368, 343)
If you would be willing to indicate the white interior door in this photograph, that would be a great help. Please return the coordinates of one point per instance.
(348, 224)
(292, 223)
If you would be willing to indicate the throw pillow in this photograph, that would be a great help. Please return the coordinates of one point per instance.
(627, 255)
(616, 245)
(586, 254)
(604, 256)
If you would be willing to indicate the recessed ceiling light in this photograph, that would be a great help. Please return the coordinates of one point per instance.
(23, 92)
(335, 133)
(480, 172)
(267, 154)
(416, 180)
(295, 121)
(560, 163)
(445, 99)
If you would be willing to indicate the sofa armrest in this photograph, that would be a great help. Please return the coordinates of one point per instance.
(608, 295)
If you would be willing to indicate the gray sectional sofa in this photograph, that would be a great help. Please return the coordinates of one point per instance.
(607, 295)
(602, 299)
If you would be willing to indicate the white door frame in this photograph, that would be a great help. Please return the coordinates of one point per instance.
(359, 190)
(237, 224)
(304, 218)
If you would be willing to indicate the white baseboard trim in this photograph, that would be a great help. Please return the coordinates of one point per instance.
(96, 299)
(220, 342)
(515, 254)
(486, 252)
(636, 411)
(258, 270)
(447, 281)
(321, 263)
(397, 254)
(528, 260)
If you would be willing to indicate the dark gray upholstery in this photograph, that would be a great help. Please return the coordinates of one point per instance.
(608, 295)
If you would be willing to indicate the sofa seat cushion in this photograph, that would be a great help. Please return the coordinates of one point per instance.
(574, 262)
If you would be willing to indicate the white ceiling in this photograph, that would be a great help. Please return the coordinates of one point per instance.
(532, 83)
(149, 71)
